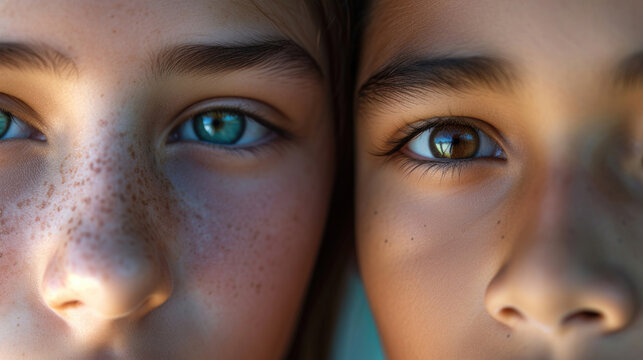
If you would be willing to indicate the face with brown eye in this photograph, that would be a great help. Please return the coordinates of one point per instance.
(500, 178)
(164, 177)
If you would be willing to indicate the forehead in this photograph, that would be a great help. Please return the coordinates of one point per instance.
(110, 27)
(528, 31)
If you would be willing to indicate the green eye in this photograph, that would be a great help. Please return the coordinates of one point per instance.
(5, 122)
(224, 128)
(219, 126)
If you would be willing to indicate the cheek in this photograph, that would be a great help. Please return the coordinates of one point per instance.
(251, 241)
(430, 255)
(19, 191)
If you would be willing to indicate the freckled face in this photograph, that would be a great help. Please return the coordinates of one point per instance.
(500, 178)
(154, 208)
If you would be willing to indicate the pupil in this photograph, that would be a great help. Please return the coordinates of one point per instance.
(454, 142)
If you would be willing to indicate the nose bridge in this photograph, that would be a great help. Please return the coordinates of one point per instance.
(557, 273)
(110, 256)
(561, 208)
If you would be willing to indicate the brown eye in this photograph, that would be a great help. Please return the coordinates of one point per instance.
(454, 141)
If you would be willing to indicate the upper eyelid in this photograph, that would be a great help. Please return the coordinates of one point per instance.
(22, 111)
(234, 104)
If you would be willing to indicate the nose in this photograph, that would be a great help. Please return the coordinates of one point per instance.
(553, 301)
(109, 259)
(561, 273)
(112, 280)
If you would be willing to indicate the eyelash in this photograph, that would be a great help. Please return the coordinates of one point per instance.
(393, 150)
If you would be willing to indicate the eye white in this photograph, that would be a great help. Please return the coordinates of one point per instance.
(17, 130)
(419, 145)
(253, 132)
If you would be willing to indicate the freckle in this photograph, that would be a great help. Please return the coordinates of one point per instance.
(424, 225)
(375, 212)
(385, 240)
(498, 222)
(508, 336)
(502, 237)
(411, 238)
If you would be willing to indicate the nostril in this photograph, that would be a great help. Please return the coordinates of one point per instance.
(510, 315)
(583, 317)
(71, 304)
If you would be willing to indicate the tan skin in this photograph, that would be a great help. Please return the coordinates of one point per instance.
(122, 234)
(523, 238)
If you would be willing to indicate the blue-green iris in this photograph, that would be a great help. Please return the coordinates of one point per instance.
(219, 126)
(5, 122)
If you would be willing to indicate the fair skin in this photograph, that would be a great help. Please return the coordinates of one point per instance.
(500, 178)
(125, 235)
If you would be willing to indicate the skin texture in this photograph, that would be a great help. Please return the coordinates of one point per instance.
(114, 242)
(534, 256)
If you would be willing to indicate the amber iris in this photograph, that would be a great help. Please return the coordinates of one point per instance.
(452, 141)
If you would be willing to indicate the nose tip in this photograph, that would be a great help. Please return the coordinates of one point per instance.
(552, 305)
(130, 285)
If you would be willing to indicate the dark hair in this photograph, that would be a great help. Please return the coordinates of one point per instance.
(313, 337)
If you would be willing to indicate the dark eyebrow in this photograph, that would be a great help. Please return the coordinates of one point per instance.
(410, 77)
(282, 56)
(630, 71)
(22, 56)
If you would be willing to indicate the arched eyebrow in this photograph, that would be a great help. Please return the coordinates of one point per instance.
(409, 77)
(23, 56)
(282, 56)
